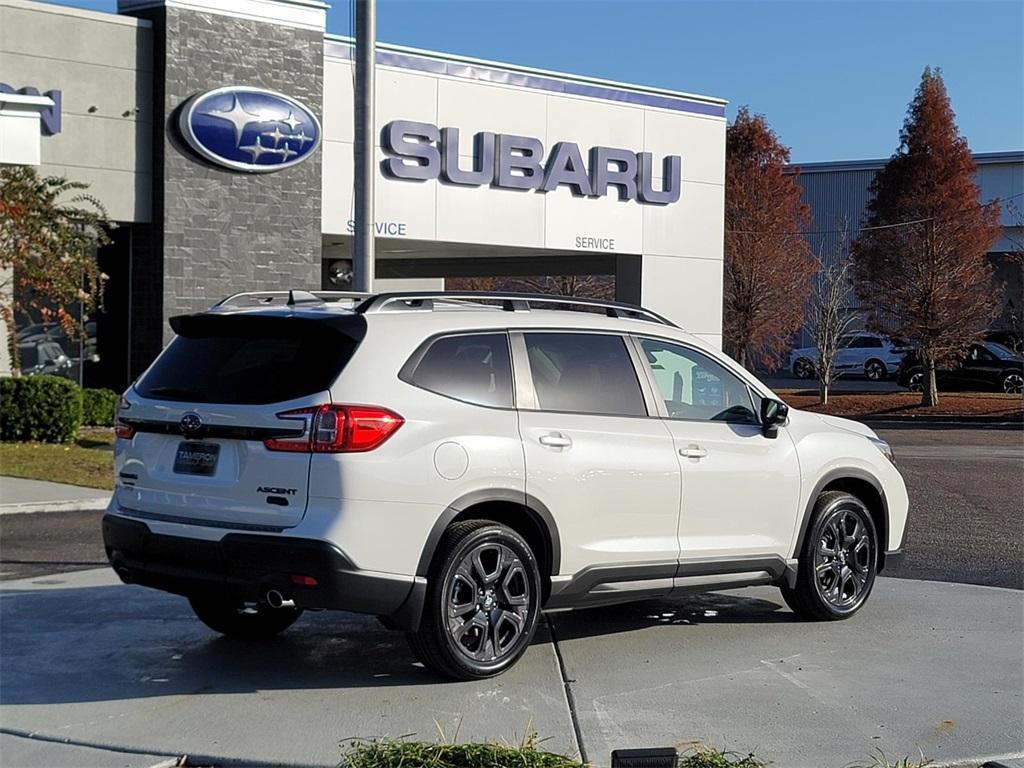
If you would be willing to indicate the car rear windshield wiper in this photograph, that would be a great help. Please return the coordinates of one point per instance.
(177, 392)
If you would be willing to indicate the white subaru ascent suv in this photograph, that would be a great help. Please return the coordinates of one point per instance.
(458, 463)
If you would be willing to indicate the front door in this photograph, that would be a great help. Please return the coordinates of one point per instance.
(740, 489)
(594, 456)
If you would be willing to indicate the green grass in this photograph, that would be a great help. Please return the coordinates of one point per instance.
(879, 760)
(418, 754)
(400, 753)
(706, 757)
(89, 461)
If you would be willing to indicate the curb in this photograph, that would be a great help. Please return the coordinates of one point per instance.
(933, 421)
(80, 505)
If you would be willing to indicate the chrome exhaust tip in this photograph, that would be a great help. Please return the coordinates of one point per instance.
(276, 600)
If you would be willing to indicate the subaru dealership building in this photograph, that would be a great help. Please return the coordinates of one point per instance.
(218, 134)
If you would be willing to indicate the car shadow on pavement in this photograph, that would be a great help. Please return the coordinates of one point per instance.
(122, 642)
(682, 611)
(109, 643)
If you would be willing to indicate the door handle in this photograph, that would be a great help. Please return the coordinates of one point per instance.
(555, 440)
(693, 452)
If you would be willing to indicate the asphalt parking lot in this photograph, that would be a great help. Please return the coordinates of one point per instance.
(89, 665)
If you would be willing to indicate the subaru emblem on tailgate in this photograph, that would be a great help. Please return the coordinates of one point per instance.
(191, 423)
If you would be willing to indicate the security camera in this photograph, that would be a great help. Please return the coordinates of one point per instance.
(339, 274)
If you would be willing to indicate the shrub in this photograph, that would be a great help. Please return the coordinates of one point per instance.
(44, 408)
(99, 407)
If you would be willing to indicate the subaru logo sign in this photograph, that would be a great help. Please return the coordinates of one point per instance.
(249, 129)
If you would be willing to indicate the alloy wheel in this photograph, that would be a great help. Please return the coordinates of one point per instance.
(488, 602)
(1013, 384)
(843, 559)
(916, 382)
(803, 368)
(874, 370)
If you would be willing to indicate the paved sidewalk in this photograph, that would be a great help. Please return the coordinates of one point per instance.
(18, 495)
(926, 666)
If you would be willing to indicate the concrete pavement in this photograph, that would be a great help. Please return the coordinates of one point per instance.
(926, 666)
(18, 495)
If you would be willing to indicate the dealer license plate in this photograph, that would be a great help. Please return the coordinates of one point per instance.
(196, 458)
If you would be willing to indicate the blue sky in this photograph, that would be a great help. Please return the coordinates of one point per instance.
(833, 77)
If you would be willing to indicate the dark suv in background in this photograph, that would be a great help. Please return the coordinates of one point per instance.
(986, 366)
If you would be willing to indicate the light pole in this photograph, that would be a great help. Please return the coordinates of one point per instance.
(366, 48)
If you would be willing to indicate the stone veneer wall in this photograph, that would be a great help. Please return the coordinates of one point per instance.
(217, 231)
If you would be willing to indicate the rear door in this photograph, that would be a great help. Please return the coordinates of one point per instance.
(203, 414)
(594, 456)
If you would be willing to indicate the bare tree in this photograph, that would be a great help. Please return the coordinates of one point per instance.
(829, 312)
(589, 286)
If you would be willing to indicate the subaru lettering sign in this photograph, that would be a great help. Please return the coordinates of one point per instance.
(249, 129)
(422, 151)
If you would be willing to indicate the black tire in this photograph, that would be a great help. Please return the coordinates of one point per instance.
(875, 370)
(228, 618)
(1013, 383)
(818, 574)
(477, 622)
(803, 368)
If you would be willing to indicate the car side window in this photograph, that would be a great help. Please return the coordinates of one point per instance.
(979, 354)
(474, 368)
(866, 342)
(584, 373)
(695, 387)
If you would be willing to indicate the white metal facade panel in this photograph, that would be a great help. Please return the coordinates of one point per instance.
(434, 210)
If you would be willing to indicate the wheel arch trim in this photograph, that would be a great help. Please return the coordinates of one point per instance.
(846, 473)
(538, 513)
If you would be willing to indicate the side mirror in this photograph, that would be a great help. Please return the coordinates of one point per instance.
(773, 414)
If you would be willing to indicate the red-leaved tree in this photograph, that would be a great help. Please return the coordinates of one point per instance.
(768, 263)
(920, 264)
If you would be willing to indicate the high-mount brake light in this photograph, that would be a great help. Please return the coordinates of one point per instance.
(336, 428)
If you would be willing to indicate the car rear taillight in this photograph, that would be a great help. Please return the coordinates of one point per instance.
(338, 429)
(122, 430)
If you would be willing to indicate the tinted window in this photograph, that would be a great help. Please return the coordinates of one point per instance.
(979, 354)
(474, 368)
(866, 342)
(584, 373)
(695, 387)
(1003, 353)
(249, 360)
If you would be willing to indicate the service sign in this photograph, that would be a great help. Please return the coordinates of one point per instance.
(249, 129)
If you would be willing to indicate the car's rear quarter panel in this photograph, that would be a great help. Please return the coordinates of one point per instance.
(380, 506)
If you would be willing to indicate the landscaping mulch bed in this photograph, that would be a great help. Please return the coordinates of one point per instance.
(907, 405)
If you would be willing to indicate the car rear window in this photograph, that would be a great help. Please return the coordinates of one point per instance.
(474, 368)
(250, 359)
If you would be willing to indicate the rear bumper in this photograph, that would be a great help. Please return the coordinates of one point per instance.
(245, 566)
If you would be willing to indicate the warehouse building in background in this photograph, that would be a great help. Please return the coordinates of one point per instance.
(219, 136)
(840, 192)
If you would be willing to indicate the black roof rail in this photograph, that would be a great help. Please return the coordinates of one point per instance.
(510, 302)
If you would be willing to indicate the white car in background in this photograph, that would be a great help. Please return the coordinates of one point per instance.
(862, 354)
